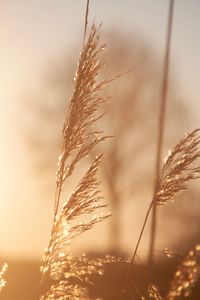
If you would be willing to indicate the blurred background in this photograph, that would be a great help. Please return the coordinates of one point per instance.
(40, 45)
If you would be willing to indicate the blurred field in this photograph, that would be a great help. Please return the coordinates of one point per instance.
(23, 280)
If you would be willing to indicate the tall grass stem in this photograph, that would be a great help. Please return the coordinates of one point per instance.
(161, 127)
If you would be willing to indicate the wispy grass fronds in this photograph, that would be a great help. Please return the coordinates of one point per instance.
(186, 276)
(82, 267)
(179, 168)
(85, 200)
(79, 137)
(63, 290)
(154, 293)
(2, 276)
(175, 174)
(171, 253)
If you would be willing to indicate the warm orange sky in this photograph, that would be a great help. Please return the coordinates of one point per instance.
(35, 32)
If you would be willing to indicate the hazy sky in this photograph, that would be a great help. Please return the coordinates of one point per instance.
(34, 33)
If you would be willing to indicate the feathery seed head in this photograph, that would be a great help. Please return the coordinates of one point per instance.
(179, 168)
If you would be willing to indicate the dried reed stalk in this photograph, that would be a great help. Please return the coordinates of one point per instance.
(78, 139)
(161, 125)
(175, 175)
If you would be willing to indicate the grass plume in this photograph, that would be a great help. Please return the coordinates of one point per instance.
(78, 139)
(179, 168)
(174, 177)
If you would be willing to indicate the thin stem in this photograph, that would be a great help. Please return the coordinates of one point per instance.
(161, 126)
(146, 275)
(86, 19)
(58, 192)
(135, 251)
(159, 148)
